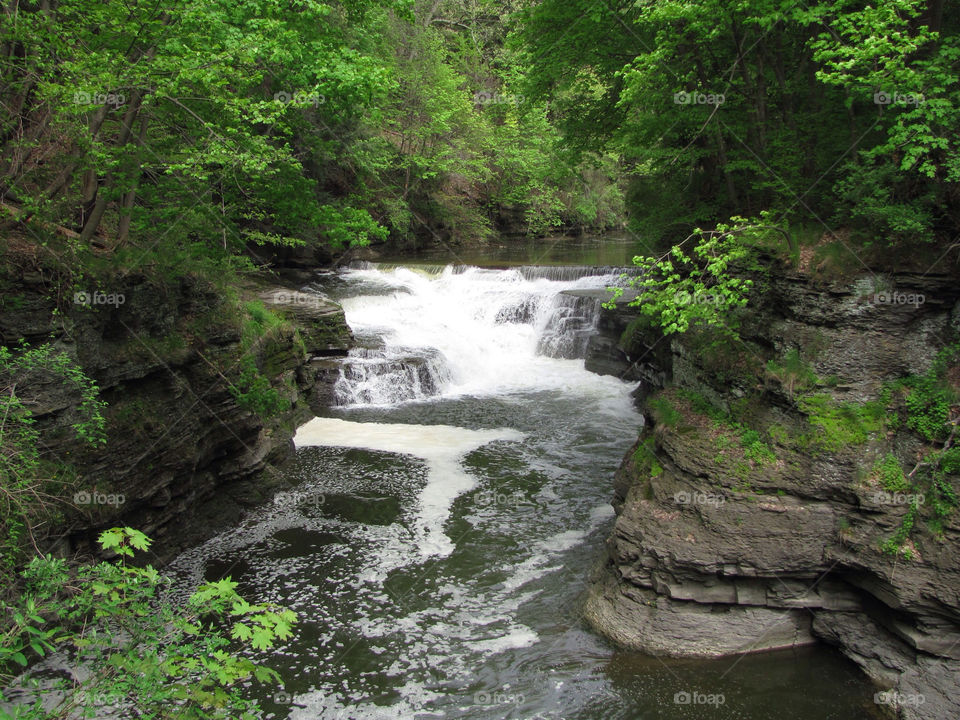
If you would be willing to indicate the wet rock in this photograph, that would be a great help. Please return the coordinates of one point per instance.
(714, 554)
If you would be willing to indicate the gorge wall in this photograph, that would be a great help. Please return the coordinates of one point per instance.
(760, 507)
(183, 456)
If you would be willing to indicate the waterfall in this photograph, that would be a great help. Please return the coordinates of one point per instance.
(387, 377)
(455, 330)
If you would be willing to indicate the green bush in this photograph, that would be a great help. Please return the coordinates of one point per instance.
(645, 459)
(929, 396)
(29, 484)
(141, 654)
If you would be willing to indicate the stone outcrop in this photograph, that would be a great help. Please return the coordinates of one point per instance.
(183, 453)
(723, 546)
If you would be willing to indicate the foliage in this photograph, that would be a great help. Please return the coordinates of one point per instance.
(678, 291)
(837, 112)
(251, 388)
(893, 545)
(182, 137)
(30, 482)
(140, 652)
(645, 459)
(754, 448)
(930, 396)
(253, 391)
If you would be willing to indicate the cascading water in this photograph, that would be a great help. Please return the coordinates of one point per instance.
(446, 516)
(464, 330)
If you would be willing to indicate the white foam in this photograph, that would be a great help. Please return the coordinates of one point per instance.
(519, 636)
(441, 446)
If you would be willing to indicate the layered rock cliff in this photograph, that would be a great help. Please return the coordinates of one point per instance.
(185, 455)
(775, 496)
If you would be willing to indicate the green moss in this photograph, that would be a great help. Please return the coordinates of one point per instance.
(779, 434)
(893, 545)
(890, 474)
(838, 425)
(664, 412)
(703, 406)
(793, 372)
(645, 459)
(753, 445)
(260, 320)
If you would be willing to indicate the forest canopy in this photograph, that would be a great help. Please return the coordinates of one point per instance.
(199, 134)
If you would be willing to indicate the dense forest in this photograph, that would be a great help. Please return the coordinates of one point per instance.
(248, 125)
(216, 140)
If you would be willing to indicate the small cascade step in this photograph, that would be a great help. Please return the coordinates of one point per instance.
(370, 376)
(571, 321)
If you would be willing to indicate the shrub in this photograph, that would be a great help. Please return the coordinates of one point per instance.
(140, 653)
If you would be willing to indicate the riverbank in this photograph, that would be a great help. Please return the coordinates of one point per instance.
(774, 498)
(188, 449)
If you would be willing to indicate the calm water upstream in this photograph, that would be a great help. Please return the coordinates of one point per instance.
(448, 512)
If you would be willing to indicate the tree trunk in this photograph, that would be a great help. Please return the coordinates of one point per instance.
(100, 206)
(130, 198)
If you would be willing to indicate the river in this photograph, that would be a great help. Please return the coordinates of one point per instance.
(447, 514)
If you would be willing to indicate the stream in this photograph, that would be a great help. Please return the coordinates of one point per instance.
(447, 514)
